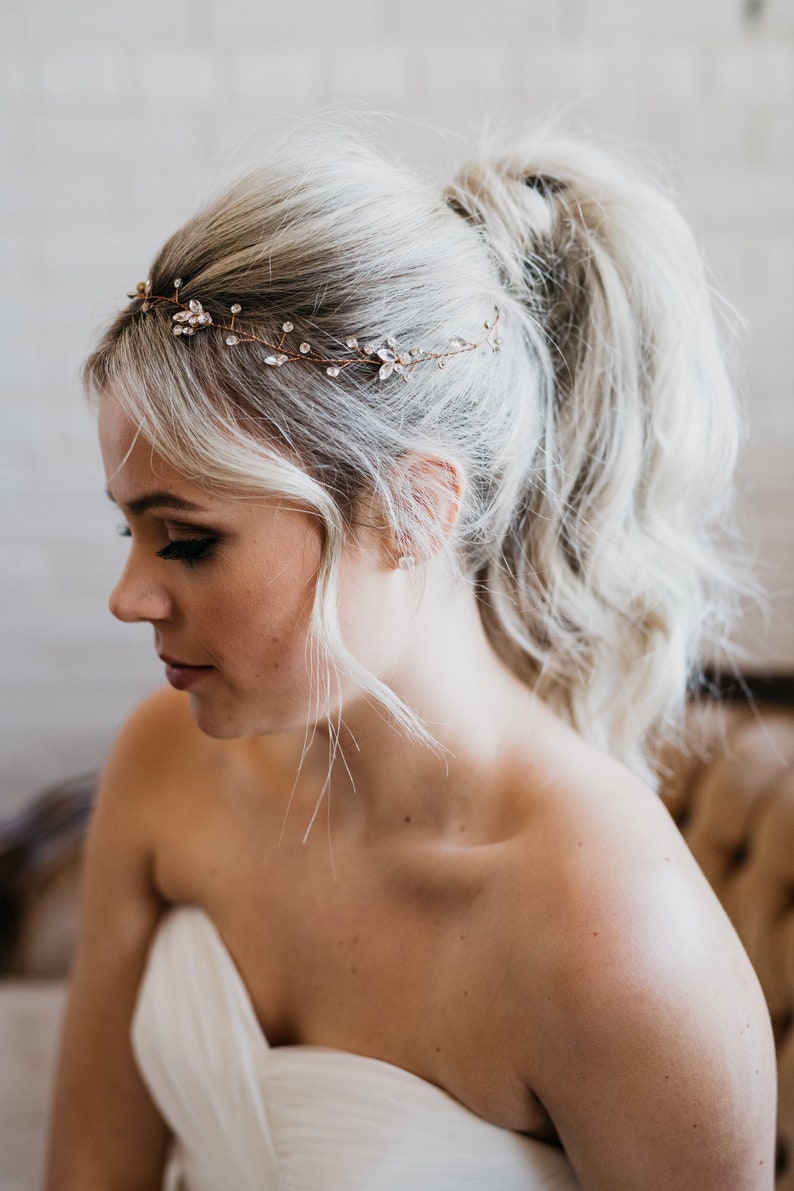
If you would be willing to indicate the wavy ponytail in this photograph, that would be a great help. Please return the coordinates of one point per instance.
(605, 583)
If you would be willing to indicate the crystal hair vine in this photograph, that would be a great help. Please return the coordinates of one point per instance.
(191, 317)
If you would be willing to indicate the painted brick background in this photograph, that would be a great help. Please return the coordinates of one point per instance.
(118, 118)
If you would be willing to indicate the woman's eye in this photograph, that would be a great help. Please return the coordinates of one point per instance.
(187, 550)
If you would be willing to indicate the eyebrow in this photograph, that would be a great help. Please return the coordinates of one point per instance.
(157, 500)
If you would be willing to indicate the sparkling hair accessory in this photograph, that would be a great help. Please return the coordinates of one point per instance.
(387, 358)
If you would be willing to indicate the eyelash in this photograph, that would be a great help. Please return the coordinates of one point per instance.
(189, 551)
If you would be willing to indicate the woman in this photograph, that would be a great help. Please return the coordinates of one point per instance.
(420, 492)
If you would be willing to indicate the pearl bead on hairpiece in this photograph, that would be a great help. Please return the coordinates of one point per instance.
(389, 360)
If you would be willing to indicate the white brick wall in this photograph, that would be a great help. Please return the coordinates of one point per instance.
(118, 118)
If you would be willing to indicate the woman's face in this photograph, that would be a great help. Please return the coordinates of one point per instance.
(228, 586)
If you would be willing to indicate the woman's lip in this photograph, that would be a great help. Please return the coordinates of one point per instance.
(183, 676)
(169, 661)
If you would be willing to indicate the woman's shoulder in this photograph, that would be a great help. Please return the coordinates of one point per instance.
(158, 760)
(618, 890)
(636, 985)
(166, 791)
(157, 717)
(158, 737)
(588, 830)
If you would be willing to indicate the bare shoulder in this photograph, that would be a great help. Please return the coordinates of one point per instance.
(103, 1119)
(649, 1042)
(134, 801)
(159, 735)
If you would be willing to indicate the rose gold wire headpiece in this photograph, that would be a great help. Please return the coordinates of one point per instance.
(387, 357)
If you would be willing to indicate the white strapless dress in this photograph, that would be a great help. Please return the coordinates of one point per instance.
(248, 1117)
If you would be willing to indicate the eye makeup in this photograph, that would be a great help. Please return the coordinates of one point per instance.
(188, 550)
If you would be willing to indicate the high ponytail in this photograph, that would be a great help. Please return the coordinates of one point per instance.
(606, 582)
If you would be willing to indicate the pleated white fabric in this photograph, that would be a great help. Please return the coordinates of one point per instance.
(248, 1117)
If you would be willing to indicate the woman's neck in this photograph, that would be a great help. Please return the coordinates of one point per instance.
(479, 714)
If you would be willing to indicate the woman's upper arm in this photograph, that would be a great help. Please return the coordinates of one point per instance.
(105, 1131)
(657, 1064)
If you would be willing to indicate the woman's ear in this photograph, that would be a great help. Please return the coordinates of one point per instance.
(429, 494)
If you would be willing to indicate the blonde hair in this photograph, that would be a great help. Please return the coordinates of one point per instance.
(598, 443)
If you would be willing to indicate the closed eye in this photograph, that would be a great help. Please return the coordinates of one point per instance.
(187, 550)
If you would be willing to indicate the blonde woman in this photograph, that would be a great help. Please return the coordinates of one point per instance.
(420, 489)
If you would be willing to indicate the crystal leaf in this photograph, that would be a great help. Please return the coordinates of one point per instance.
(176, 330)
(188, 330)
(304, 349)
(369, 349)
(204, 319)
(385, 370)
(231, 340)
(181, 316)
(391, 343)
(457, 343)
(383, 353)
(351, 341)
(195, 306)
(333, 370)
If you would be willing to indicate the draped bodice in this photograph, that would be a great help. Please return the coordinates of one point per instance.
(250, 1117)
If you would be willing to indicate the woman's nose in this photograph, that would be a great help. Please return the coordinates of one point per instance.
(139, 595)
